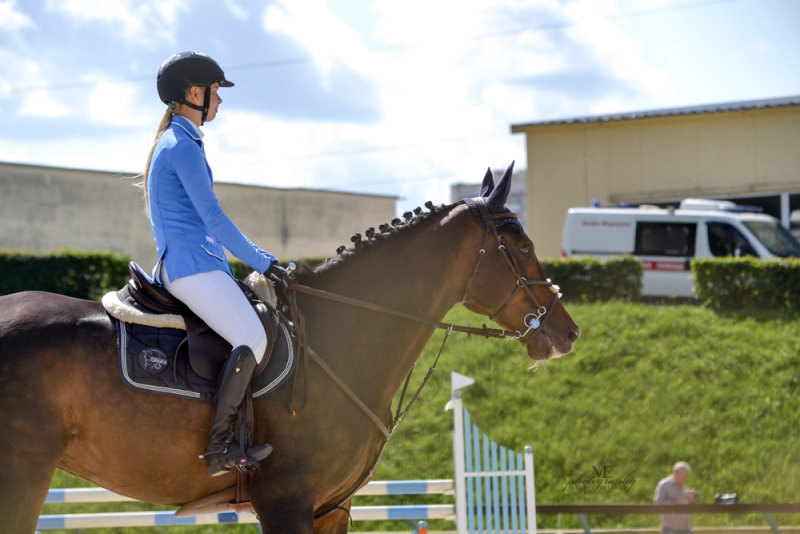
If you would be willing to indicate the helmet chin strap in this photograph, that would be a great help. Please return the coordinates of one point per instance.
(204, 107)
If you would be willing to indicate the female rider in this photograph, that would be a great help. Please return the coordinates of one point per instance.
(190, 230)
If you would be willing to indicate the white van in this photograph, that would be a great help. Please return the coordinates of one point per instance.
(666, 240)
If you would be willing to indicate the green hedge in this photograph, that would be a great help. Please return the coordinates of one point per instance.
(580, 279)
(737, 283)
(85, 275)
(593, 280)
(91, 274)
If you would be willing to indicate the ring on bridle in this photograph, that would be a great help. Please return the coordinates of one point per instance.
(532, 321)
(490, 221)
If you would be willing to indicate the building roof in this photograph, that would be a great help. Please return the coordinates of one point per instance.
(743, 105)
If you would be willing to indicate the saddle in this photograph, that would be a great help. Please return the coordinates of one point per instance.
(207, 350)
(166, 349)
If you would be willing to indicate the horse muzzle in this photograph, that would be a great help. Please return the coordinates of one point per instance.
(547, 341)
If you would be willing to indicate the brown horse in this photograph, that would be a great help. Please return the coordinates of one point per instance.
(62, 403)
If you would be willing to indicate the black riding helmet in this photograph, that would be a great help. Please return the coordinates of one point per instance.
(183, 70)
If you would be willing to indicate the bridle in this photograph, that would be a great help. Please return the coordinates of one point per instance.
(533, 321)
(491, 222)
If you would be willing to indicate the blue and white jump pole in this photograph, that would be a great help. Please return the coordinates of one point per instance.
(501, 493)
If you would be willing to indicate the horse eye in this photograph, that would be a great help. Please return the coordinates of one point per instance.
(526, 250)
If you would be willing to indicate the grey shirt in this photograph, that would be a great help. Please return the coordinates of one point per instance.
(668, 492)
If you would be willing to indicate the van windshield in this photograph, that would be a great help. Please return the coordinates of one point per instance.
(775, 237)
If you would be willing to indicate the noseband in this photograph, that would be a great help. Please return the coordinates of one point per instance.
(491, 222)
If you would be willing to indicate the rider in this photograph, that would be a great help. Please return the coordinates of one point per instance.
(190, 230)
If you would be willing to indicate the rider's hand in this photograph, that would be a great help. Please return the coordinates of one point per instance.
(279, 275)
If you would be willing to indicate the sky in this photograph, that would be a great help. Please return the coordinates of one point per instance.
(387, 97)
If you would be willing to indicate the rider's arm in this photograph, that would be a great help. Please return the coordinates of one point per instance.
(191, 167)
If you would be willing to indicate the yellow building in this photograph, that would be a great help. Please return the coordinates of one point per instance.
(748, 152)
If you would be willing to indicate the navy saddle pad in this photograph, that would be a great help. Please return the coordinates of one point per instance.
(155, 360)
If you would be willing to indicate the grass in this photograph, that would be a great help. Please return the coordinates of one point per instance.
(645, 386)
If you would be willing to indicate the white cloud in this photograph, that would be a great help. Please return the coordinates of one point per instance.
(143, 22)
(440, 122)
(251, 148)
(315, 26)
(450, 82)
(41, 103)
(25, 88)
(115, 103)
(447, 79)
(604, 43)
(236, 10)
(124, 151)
(442, 26)
(16, 71)
(12, 20)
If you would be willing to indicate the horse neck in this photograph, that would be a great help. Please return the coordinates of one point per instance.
(421, 271)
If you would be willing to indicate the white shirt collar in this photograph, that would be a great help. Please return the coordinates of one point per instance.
(190, 127)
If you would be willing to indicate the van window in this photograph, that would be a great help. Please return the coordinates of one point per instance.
(775, 237)
(665, 239)
(725, 240)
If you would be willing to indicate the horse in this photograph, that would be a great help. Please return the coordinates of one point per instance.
(62, 403)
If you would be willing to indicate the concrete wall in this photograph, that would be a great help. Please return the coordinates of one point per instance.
(655, 158)
(45, 208)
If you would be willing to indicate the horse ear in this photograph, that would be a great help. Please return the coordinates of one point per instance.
(497, 199)
(488, 183)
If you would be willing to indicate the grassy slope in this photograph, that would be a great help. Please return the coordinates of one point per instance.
(644, 387)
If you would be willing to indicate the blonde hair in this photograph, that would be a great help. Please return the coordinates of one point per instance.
(162, 127)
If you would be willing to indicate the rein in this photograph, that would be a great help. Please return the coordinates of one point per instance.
(401, 412)
(490, 222)
(483, 331)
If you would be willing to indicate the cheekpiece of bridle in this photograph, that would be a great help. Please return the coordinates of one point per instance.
(492, 222)
(533, 321)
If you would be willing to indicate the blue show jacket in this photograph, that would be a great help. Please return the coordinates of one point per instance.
(189, 226)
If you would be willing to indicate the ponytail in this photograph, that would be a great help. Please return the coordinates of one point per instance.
(162, 126)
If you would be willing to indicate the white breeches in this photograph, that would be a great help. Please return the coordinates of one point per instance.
(216, 298)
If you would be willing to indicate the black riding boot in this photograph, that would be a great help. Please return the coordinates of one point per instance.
(222, 453)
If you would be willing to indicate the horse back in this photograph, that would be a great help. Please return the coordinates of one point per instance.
(42, 336)
(36, 309)
(31, 322)
(61, 397)
(48, 346)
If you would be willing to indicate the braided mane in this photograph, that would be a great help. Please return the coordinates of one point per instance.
(384, 232)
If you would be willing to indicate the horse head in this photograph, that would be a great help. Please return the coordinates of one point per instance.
(508, 284)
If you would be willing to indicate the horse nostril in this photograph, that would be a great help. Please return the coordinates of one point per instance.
(574, 334)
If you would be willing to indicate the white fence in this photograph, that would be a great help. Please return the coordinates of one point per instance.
(167, 518)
